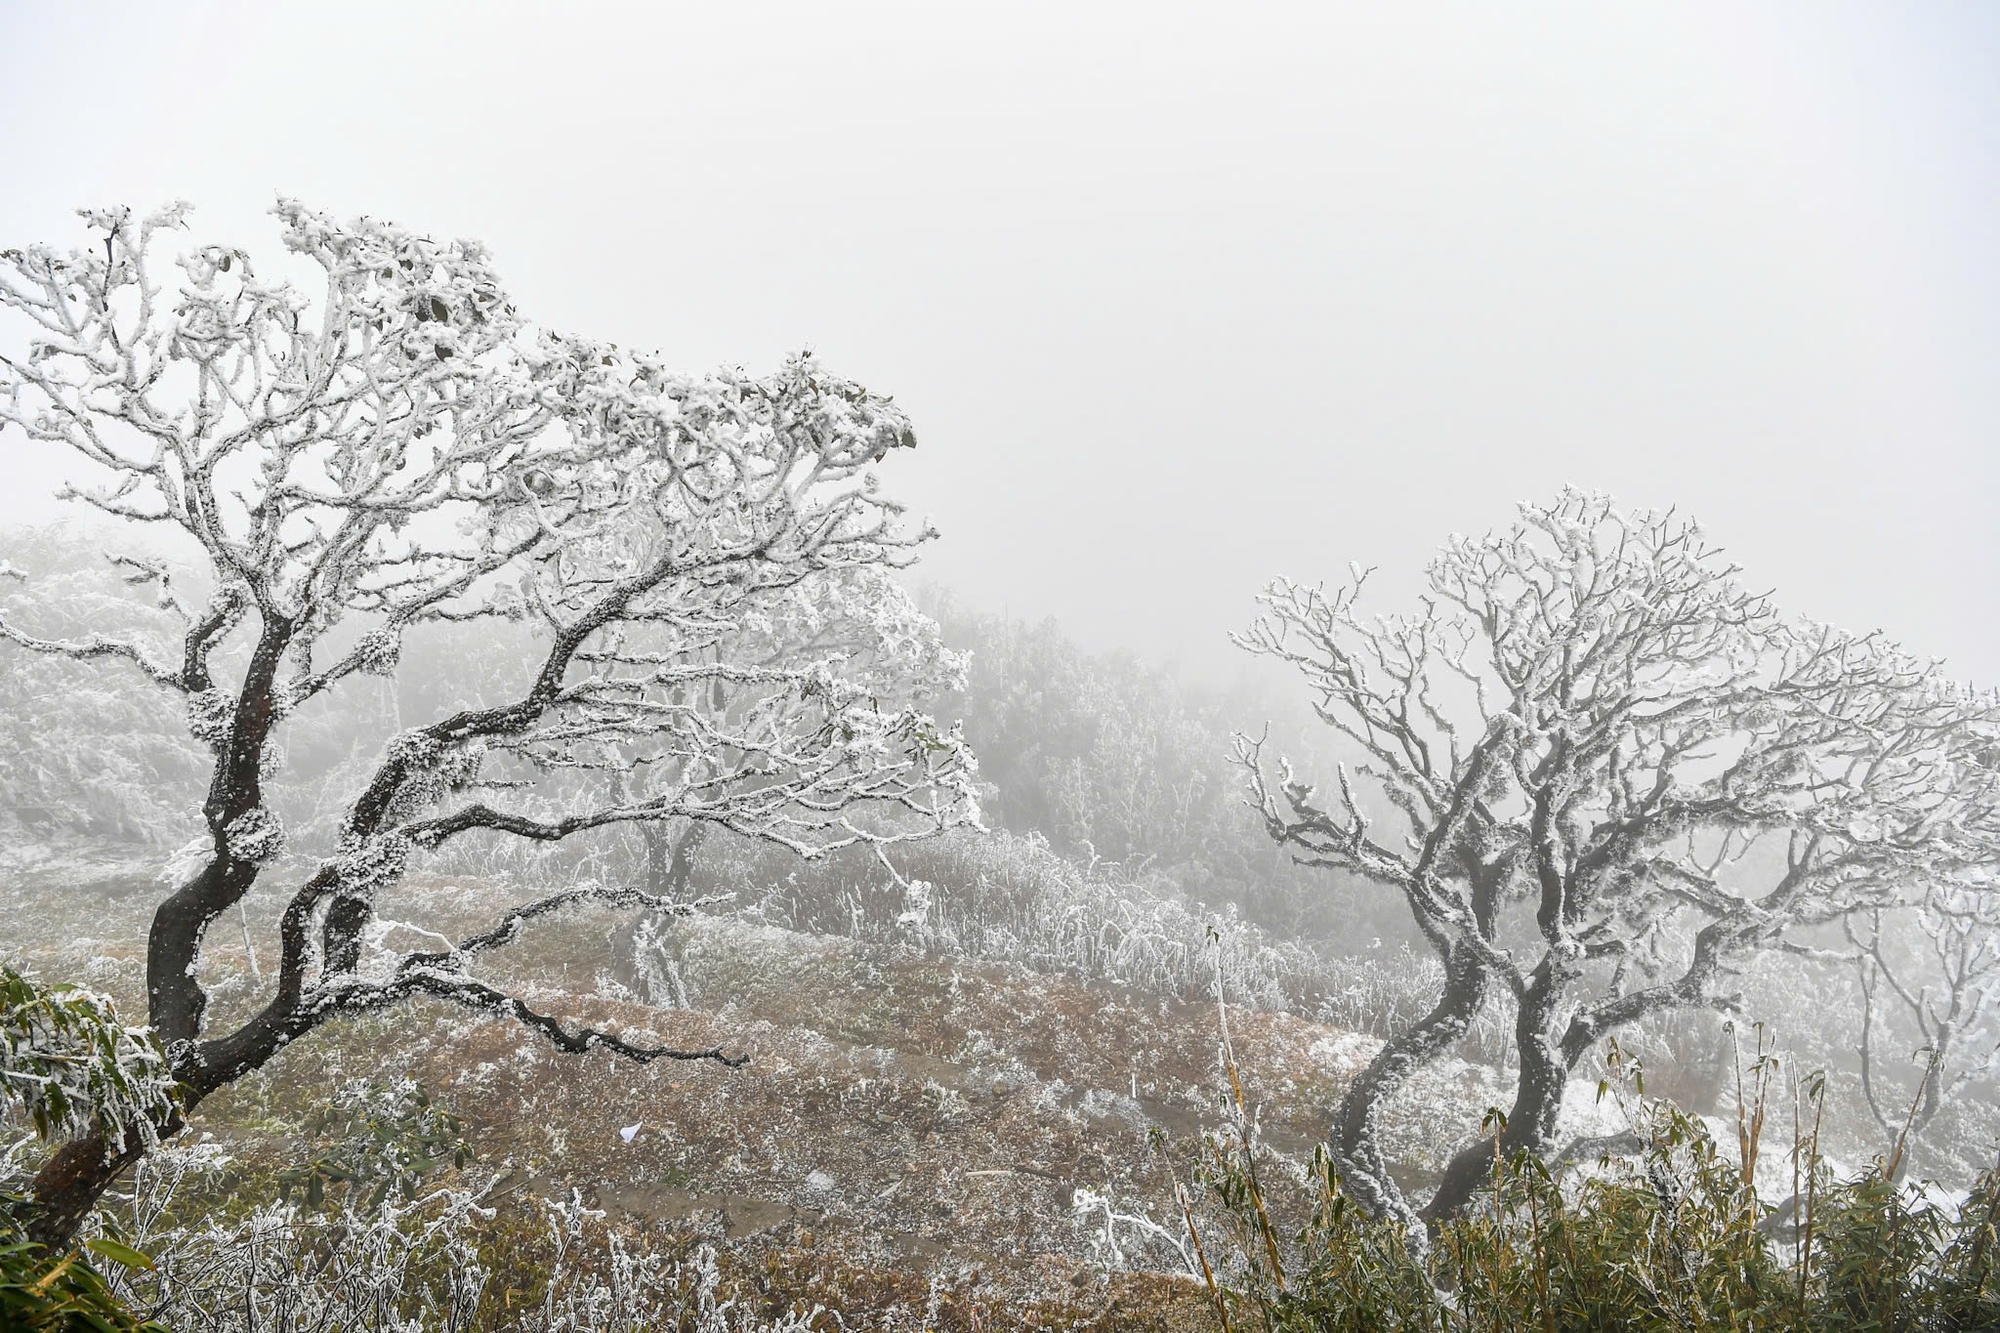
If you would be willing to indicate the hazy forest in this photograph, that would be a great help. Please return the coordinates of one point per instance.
(499, 833)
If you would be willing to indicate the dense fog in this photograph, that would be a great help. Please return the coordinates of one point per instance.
(1102, 667)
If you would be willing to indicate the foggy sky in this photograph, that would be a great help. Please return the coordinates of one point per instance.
(1180, 297)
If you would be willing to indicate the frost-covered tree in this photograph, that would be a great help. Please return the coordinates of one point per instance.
(396, 447)
(1620, 775)
(862, 617)
(1933, 1001)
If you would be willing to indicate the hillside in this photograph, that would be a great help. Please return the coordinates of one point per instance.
(905, 1117)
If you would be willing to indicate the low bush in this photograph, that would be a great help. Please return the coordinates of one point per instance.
(1670, 1237)
(1011, 899)
(67, 1293)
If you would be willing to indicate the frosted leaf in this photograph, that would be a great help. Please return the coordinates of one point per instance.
(367, 866)
(415, 749)
(71, 1066)
(460, 768)
(273, 760)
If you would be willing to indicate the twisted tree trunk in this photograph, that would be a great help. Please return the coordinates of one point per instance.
(71, 1183)
(1355, 1139)
(1548, 1058)
(1530, 1125)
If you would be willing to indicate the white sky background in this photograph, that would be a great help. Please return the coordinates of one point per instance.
(1180, 297)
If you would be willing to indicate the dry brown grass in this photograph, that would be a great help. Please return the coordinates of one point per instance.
(909, 1132)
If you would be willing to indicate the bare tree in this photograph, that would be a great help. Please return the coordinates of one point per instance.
(1945, 996)
(861, 616)
(402, 448)
(1617, 775)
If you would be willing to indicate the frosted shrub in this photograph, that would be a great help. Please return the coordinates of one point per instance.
(638, 1290)
(650, 954)
(1007, 898)
(400, 1267)
(1010, 899)
(1124, 1239)
(69, 1065)
(387, 1265)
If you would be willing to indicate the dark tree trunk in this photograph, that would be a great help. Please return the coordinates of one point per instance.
(669, 871)
(1355, 1140)
(70, 1183)
(341, 934)
(175, 1000)
(659, 850)
(1548, 1059)
(1531, 1123)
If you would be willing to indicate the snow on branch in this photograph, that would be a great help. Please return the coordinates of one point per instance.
(481, 997)
(443, 975)
(1591, 702)
(510, 926)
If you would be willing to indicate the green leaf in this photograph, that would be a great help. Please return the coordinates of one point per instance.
(120, 1252)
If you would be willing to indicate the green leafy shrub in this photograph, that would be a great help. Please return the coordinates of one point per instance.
(65, 1295)
(67, 1065)
(1669, 1238)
